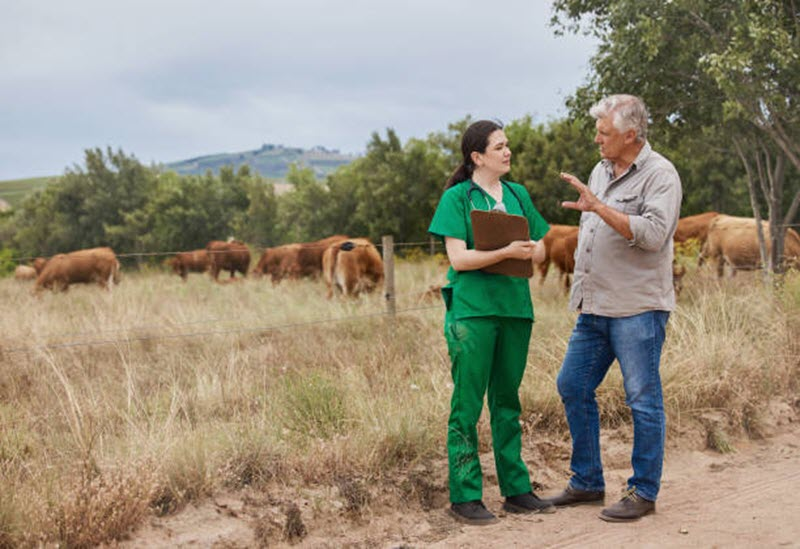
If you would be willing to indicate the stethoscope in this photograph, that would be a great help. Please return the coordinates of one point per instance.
(499, 204)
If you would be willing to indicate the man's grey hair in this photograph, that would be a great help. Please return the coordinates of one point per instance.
(626, 111)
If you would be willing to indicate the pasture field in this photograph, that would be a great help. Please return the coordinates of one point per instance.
(119, 406)
(14, 191)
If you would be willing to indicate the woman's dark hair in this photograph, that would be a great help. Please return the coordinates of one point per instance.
(475, 139)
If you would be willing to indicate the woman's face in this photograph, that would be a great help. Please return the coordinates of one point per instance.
(497, 156)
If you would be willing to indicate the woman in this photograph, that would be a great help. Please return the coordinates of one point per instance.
(487, 325)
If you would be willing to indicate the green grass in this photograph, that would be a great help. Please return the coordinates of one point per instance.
(14, 191)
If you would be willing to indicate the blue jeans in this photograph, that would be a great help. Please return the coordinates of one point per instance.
(636, 342)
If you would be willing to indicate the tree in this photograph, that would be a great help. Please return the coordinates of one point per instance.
(725, 66)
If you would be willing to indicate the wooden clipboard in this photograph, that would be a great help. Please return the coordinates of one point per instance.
(492, 230)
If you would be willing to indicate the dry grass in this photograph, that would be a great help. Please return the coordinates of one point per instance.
(235, 385)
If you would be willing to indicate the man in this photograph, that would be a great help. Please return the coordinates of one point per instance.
(622, 288)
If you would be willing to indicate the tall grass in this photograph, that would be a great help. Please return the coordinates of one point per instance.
(113, 406)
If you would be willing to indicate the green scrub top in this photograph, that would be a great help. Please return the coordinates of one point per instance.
(476, 293)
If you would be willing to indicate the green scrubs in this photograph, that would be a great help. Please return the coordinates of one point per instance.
(487, 327)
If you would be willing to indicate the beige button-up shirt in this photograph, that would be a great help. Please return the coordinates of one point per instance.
(617, 277)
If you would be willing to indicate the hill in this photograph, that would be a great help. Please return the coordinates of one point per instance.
(270, 161)
(14, 191)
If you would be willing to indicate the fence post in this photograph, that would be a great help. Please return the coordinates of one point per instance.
(388, 274)
(432, 244)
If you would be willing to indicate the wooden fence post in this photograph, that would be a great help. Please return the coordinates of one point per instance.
(433, 245)
(388, 274)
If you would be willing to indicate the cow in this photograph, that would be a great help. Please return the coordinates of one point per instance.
(556, 232)
(98, 265)
(694, 226)
(196, 261)
(734, 241)
(562, 255)
(231, 256)
(352, 267)
(39, 264)
(309, 256)
(24, 272)
(278, 262)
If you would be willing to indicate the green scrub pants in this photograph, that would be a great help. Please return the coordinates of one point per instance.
(486, 353)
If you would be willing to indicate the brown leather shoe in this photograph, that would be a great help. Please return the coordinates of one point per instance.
(631, 507)
(572, 496)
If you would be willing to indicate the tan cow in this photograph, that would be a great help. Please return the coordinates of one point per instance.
(556, 232)
(733, 241)
(231, 256)
(352, 267)
(98, 265)
(196, 261)
(694, 226)
(24, 272)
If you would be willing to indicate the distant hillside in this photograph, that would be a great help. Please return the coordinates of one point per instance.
(270, 161)
(13, 191)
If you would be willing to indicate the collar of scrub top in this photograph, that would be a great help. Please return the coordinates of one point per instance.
(498, 206)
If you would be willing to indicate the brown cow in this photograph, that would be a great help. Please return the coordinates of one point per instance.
(309, 256)
(24, 272)
(352, 267)
(230, 256)
(694, 226)
(734, 241)
(183, 263)
(562, 255)
(39, 264)
(97, 265)
(556, 232)
(278, 262)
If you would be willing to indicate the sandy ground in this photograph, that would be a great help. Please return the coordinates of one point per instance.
(745, 498)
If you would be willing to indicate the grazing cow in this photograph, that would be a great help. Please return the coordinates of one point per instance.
(196, 261)
(734, 241)
(694, 226)
(39, 264)
(556, 232)
(562, 255)
(97, 265)
(352, 267)
(24, 272)
(309, 256)
(230, 256)
(278, 262)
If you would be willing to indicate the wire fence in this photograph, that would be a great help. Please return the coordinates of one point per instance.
(219, 332)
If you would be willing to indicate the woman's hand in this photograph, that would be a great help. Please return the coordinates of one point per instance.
(520, 249)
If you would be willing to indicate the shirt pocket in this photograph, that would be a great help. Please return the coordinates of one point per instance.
(630, 204)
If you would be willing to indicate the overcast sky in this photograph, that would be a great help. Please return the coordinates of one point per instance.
(168, 80)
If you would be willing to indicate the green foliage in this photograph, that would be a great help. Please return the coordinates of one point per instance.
(7, 263)
(314, 406)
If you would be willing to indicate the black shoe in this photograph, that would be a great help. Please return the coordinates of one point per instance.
(573, 496)
(527, 503)
(472, 512)
(631, 507)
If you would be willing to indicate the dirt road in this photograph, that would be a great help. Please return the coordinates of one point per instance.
(747, 498)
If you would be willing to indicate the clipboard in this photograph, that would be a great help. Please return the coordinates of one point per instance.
(492, 230)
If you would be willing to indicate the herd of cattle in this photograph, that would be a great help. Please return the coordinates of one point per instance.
(723, 239)
(353, 265)
(348, 265)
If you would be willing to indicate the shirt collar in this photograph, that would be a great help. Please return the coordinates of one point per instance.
(638, 162)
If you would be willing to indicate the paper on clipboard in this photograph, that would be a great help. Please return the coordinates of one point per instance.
(492, 230)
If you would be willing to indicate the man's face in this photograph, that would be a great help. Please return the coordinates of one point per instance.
(613, 143)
